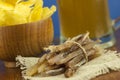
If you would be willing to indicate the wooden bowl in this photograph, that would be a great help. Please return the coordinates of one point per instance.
(24, 39)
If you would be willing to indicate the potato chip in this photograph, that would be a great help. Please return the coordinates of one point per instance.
(23, 7)
(12, 2)
(26, 1)
(10, 18)
(36, 13)
(6, 6)
(16, 19)
(2, 17)
(23, 11)
(48, 12)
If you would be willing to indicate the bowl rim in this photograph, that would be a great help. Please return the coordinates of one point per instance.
(34, 22)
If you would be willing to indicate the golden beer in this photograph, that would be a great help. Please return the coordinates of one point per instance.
(80, 16)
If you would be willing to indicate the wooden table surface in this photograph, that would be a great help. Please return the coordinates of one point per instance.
(15, 74)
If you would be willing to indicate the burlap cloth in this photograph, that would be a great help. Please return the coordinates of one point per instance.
(103, 64)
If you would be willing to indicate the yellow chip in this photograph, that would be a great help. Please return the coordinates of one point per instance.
(24, 7)
(23, 11)
(12, 2)
(36, 13)
(2, 17)
(48, 12)
(6, 6)
(13, 18)
(26, 2)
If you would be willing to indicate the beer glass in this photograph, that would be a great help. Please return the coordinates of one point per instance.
(79, 16)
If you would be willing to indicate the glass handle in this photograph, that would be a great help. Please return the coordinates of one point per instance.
(114, 22)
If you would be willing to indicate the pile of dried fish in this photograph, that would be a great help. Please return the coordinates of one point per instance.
(64, 58)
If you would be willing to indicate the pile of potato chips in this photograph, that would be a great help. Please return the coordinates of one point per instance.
(14, 12)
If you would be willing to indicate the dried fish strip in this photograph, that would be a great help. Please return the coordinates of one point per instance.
(63, 58)
(84, 51)
(53, 49)
(70, 71)
(53, 72)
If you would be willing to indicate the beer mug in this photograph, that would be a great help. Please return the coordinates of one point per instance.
(79, 16)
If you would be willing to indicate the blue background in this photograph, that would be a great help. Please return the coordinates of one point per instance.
(114, 8)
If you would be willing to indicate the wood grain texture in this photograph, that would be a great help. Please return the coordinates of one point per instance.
(25, 39)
